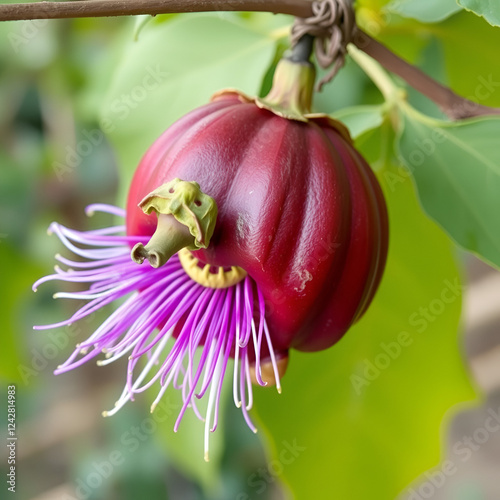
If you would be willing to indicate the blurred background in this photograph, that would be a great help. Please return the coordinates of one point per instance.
(53, 76)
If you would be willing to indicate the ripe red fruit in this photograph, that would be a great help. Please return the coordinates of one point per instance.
(281, 232)
(299, 209)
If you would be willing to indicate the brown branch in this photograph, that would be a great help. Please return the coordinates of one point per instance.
(109, 8)
(453, 105)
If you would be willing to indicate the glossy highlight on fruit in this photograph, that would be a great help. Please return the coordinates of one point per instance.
(299, 210)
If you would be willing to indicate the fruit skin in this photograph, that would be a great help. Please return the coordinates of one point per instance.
(299, 209)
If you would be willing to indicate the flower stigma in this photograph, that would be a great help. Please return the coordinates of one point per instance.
(186, 219)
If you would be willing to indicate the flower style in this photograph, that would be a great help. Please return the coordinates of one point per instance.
(264, 230)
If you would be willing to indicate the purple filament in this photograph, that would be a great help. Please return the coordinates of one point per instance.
(216, 322)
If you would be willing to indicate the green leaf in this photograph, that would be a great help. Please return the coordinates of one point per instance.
(456, 167)
(471, 55)
(427, 11)
(363, 418)
(489, 9)
(360, 119)
(175, 67)
(140, 23)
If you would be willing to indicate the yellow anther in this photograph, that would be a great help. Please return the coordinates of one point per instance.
(203, 276)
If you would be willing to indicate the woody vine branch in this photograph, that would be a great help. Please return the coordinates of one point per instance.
(453, 105)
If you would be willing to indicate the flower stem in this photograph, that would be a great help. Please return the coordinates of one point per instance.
(302, 51)
(376, 74)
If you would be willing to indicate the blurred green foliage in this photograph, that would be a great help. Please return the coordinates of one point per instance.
(80, 102)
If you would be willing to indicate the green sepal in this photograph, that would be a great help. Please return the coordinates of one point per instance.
(292, 90)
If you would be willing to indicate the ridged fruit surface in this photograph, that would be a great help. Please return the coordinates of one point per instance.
(299, 209)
